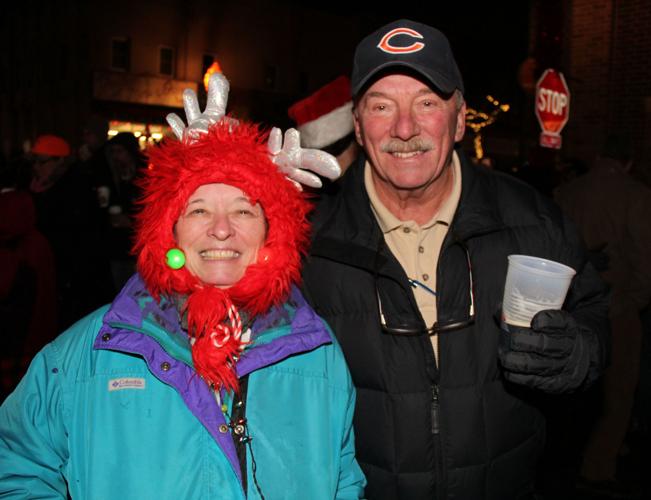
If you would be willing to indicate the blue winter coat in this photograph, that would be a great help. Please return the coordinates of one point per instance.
(113, 409)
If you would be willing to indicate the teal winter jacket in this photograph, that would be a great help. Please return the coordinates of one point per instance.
(113, 409)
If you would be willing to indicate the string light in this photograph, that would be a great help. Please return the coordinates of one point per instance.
(477, 120)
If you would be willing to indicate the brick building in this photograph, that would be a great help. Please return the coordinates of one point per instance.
(604, 49)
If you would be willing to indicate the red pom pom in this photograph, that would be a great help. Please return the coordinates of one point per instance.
(216, 326)
(217, 364)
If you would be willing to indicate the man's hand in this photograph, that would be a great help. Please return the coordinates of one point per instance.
(553, 355)
(294, 161)
(199, 122)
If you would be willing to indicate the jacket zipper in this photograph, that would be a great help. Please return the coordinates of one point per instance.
(435, 409)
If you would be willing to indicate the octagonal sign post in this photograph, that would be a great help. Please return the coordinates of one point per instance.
(552, 107)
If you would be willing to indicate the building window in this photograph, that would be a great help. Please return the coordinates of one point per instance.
(166, 61)
(120, 54)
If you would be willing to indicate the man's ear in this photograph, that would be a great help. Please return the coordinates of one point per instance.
(358, 133)
(461, 123)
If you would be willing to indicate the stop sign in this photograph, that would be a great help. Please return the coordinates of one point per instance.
(552, 107)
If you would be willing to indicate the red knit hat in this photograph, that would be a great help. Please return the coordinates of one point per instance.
(233, 154)
(51, 145)
(325, 116)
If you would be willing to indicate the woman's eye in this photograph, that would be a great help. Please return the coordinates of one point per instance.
(245, 211)
(197, 211)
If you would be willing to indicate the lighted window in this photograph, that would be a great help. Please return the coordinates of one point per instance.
(120, 54)
(166, 61)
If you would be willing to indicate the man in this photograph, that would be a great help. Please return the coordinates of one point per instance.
(619, 231)
(408, 264)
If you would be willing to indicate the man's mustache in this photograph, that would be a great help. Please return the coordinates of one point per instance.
(413, 145)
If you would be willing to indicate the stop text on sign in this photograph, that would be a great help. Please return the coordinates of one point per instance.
(551, 101)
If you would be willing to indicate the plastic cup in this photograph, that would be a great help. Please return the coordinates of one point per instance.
(532, 285)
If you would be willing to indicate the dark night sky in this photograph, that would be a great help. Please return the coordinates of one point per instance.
(489, 43)
(488, 40)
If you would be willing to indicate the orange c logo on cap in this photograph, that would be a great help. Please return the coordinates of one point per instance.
(385, 43)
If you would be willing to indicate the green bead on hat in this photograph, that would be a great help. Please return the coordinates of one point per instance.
(175, 258)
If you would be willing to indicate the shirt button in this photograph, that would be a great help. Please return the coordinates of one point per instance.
(421, 249)
(425, 277)
(106, 337)
(165, 366)
(406, 230)
(223, 428)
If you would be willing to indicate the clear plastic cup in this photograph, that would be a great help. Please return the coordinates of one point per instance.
(532, 285)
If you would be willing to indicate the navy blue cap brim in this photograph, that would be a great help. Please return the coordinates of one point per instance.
(440, 82)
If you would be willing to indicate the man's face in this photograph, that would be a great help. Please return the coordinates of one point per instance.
(408, 131)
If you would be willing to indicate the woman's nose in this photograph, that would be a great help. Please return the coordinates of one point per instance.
(221, 227)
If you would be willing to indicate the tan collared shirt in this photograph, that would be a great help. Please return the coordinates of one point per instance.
(417, 247)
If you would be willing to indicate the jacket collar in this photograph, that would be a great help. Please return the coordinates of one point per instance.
(286, 329)
(477, 213)
(349, 233)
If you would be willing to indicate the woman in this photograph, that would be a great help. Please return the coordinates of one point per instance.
(208, 376)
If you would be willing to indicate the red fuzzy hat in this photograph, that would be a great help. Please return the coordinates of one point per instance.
(325, 116)
(233, 154)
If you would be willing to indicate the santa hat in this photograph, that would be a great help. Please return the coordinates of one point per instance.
(324, 117)
(233, 154)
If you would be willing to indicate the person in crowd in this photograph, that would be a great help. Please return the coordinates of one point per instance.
(92, 157)
(94, 137)
(325, 121)
(618, 235)
(209, 375)
(125, 161)
(27, 282)
(408, 263)
(68, 216)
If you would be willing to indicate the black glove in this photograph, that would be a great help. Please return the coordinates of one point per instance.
(553, 355)
(598, 258)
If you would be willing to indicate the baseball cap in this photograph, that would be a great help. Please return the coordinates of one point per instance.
(325, 116)
(51, 145)
(411, 45)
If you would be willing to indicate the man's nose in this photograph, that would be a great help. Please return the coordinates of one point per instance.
(405, 125)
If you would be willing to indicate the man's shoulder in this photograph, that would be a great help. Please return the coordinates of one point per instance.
(346, 194)
(511, 198)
